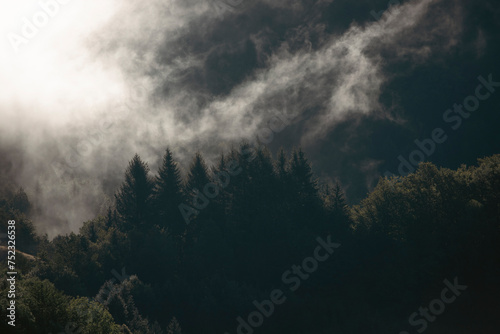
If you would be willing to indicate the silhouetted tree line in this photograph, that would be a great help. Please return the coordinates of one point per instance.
(201, 249)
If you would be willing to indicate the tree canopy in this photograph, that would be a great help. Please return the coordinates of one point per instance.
(143, 268)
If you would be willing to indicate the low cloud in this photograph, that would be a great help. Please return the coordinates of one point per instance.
(80, 102)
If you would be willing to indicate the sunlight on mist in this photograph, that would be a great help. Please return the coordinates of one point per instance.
(87, 84)
(48, 73)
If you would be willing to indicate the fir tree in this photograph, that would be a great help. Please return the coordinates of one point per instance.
(337, 210)
(339, 204)
(133, 200)
(197, 183)
(304, 197)
(168, 195)
(306, 187)
(198, 176)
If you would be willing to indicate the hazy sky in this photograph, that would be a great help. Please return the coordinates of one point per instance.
(97, 81)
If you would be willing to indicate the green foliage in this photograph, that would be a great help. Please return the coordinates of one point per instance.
(68, 262)
(88, 317)
(40, 307)
(20, 202)
(119, 300)
(432, 207)
(398, 244)
(133, 200)
(16, 206)
(198, 176)
(337, 211)
(306, 186)
(168, 194)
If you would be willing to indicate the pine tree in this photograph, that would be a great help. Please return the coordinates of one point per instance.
(338, 208)
(339, 204)
(197, 184)
(110, 218)
(282, 166)
(198, 176)
(223, 180)
(284, 191)
(264, 182)
(302, 177)
(304, 198)
(21, 202)
(133, 200)
(168, 195)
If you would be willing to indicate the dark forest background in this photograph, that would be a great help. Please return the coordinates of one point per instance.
(397, 246)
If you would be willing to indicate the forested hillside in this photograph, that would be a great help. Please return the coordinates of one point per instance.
(206, 252)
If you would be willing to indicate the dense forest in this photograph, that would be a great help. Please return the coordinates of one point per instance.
(206, 252)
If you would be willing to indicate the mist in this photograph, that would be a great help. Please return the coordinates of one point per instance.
(103, 80)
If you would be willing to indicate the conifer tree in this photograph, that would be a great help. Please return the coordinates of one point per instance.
(284, 192)
(338, 210)
(304, 196)
(302, 177)
(198, 176)
(111, 218)
(133, 200)
(223, 180)
(21, 202)
(264, 182)
(168, 195)
(282, 166)
(339, 204)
